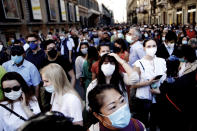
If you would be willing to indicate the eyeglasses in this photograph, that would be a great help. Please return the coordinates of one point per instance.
(8, 90)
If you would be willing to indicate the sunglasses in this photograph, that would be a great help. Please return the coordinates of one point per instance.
(14, 53)
(8, 90)
(31, 41)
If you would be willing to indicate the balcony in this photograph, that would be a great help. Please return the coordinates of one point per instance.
(161, 3)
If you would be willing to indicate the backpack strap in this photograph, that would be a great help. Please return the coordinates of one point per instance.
(137, 128)
(8, 109)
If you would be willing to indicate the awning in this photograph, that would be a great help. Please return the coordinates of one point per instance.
(92, 11)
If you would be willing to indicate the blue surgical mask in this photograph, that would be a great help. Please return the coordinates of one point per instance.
(50, 88)
(182, 60)
(33, 46)
(17, 59)
(170, 80)
(121, 117)
(12, 41)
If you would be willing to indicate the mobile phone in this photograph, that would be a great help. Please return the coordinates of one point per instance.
(158, 77)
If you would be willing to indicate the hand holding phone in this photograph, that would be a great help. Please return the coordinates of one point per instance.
(158, 77)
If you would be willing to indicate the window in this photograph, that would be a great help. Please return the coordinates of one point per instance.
(191, 14)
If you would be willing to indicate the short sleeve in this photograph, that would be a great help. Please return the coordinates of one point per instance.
(137, 63)
(140, 53)
(34, 106)
(79, 66)
(72, 107)
(35, 75)
(131, 79)
(94, 68)
(69, 45)
(66, 65)
(90, 87)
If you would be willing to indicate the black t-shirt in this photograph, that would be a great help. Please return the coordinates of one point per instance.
(36, 59)
(64, 63)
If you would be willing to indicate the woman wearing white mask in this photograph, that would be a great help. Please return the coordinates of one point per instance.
(64, 98)
(111, 111)
(18, 104)
(83, 51)
(184, 41)
(109, 74)
(150, 67)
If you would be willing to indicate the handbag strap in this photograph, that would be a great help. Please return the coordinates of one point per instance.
(137, 128)
(142, 65)
(22, 118)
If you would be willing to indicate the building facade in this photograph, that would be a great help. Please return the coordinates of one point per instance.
(89, 13)
(162, 11)
(131, 11)
(20, 17)
(176, 11)
(106, 17)
(139, 11)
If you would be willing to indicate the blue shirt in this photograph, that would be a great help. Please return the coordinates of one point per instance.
(136, 52)
(27, 70)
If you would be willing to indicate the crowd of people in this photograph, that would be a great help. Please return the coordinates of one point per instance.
(120, 77)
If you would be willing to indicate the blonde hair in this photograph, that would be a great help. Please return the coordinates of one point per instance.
(57, 76)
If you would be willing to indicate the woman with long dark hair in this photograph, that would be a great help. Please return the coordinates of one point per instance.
(18, 104)
(91, 58)
(83, 51)
(109, 74)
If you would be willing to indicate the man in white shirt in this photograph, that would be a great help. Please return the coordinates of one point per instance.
(67, 45)
(136, 48)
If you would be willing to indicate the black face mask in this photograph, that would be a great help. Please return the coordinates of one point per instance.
(52, 53)
(116, 49)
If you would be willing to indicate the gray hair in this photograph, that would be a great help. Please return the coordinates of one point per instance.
(192, 41)
(137, 32)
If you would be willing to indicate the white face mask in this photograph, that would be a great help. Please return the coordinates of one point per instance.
(1, 47)
(13, 95)
(120, 35)
(108, 69)
(84, 51)
(184, 42)
(171, 45)
(151, 51)
(129, 39)
(196, 28)
(196, 53)
(103, 53)
(163, 38)
(62, 37)
(146, 35)
(50, 88)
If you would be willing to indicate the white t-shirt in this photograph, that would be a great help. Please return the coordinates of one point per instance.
(10, 122)
(68, 104)
(26, 46)
(148, 73)
(79, 66)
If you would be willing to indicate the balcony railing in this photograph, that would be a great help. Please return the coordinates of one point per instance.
(161, 2)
